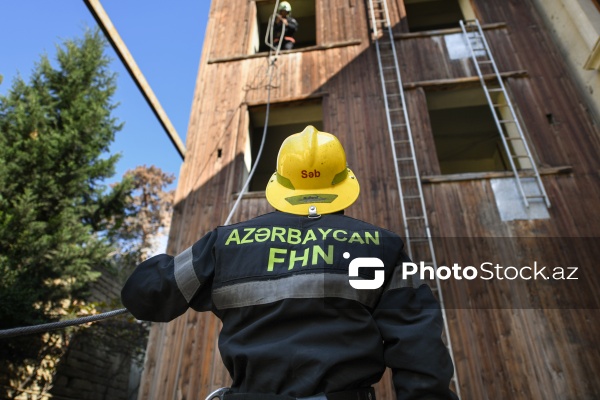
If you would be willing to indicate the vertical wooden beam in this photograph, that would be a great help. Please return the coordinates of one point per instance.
(119, 46)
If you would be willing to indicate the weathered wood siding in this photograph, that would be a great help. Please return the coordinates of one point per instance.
(518, 340)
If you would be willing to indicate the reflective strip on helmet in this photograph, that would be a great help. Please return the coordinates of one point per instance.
(185, 276)
(340, 177)
(285, 182)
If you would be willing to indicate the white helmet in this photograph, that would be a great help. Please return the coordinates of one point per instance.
(284, 5)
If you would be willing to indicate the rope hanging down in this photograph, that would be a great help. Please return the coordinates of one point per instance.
(273, 54)
(260, 150)
(27, 330)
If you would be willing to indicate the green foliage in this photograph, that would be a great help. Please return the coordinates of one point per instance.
(55, 132)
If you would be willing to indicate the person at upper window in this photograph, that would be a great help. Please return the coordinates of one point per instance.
(286, 23)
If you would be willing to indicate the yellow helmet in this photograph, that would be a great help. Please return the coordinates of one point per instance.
(312, 171)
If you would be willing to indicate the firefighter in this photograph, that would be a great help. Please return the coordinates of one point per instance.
(284, 21)
(284, 284)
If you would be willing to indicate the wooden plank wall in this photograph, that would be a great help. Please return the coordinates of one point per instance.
(511, 341)
(517, 339)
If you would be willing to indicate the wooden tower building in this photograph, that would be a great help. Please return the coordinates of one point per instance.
(472, 138)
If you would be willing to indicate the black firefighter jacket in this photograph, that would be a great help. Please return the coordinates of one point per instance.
(292, 322)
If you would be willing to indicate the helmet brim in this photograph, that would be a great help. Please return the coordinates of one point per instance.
(297, 201)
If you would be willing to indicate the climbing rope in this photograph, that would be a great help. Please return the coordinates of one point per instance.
(270, 31)
(260, 150)
(273, 54)
(27, 330)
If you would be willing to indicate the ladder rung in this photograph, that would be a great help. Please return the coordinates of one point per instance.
(536, 196)
(495, 90)
(388, 68)
(411, 197)
(411, 218)
(513, 138)
(404, 159)
(484, 62)
(398, 125)
(506, 121)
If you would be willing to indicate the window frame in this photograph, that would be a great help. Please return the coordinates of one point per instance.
(473, 98)
(465, 7)
(256, 35)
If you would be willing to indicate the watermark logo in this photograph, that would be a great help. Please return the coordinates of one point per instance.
(487, 271)
(365, 262)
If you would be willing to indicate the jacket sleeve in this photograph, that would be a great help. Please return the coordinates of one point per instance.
(410, 322)
(292, 27)
(163, 287)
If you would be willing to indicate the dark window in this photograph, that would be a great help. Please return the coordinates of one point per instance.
(426, 15)
(465, 133)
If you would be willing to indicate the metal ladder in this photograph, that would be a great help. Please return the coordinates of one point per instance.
(419, 243)
(522, 163)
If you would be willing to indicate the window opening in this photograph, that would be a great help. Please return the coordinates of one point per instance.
(465, 134)
(302, 10)
(284, 119)
(426, 15)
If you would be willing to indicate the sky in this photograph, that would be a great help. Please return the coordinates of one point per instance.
(164, 37)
